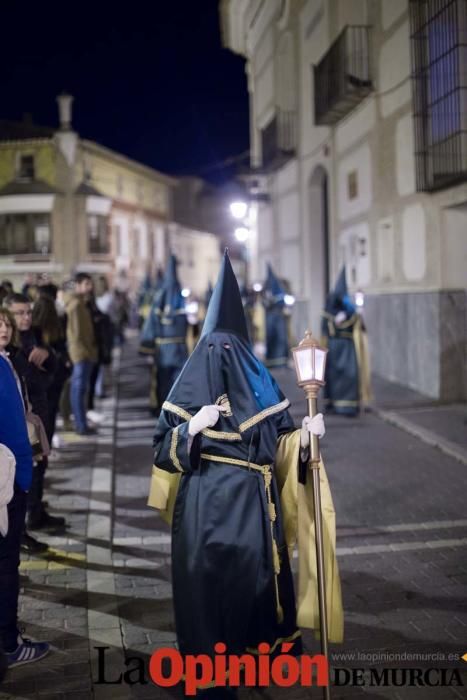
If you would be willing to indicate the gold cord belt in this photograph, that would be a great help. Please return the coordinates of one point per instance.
(237, 462)
(267, 477)
(167, 341)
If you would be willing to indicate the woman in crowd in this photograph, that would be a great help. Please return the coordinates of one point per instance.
(14, 434)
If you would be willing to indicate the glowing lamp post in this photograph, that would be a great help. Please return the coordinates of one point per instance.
(239, 209)
(310, 364)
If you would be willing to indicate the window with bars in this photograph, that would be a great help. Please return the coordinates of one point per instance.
(439, 87)
(25, 234)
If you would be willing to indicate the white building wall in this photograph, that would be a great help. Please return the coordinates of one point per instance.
(400, 246)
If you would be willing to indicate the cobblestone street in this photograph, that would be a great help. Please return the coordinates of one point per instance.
(398, 476)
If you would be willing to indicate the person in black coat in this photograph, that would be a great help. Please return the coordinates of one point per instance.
(36, 364)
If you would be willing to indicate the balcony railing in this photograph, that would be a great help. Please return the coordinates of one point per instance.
(342, 77)
(278, 140)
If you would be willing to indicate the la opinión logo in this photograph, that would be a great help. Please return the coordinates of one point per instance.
(168, 667)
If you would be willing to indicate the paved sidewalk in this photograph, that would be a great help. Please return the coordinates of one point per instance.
(402, 544)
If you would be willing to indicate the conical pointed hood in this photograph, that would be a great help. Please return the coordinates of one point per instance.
(340, 290)
(338, 299)
(225, 310)
(273, 290)
(170, 299)
(222, 365)
(144, 290)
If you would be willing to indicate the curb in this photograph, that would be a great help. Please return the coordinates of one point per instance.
(449, 448)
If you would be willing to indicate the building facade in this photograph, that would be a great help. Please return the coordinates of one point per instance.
(68, 204)
(359, 137)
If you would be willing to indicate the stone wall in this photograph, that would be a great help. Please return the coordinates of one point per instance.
(419, 340)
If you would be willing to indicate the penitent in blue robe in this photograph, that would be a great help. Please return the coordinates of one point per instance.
(231, 574)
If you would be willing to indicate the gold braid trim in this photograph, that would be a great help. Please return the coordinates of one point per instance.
(173, 450)
(275, 551)
(219, 435)
(167, 341)
(246, 425)
(167, 406)
(208, 432)
(350, 321)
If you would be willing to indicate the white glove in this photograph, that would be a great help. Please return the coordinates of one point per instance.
(340, 317)
(206, 417)
(315, 426)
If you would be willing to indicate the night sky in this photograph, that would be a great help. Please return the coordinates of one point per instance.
(150, 80)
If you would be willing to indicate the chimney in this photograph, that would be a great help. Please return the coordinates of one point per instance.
(64, 111)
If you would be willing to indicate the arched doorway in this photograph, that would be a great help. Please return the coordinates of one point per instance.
(319, 235)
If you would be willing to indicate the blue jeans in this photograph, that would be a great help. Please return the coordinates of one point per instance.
(79, 387)
(9, 571)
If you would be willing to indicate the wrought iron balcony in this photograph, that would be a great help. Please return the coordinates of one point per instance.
(278, 140)
(342, 77)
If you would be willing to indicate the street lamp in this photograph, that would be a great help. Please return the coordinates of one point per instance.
(242, 233)
(238, 209)
(310, 363)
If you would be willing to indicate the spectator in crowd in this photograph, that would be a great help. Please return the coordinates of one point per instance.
(82, 348)
(47, 323)
(30, 281)
(64, 294)
(103, 333)
(8, 286)
(3, 293)
(120, 315)
(105, 301)
(36, 363)
(14, 434)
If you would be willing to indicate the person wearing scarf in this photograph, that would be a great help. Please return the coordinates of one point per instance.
(347, 364)
(226, 464)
